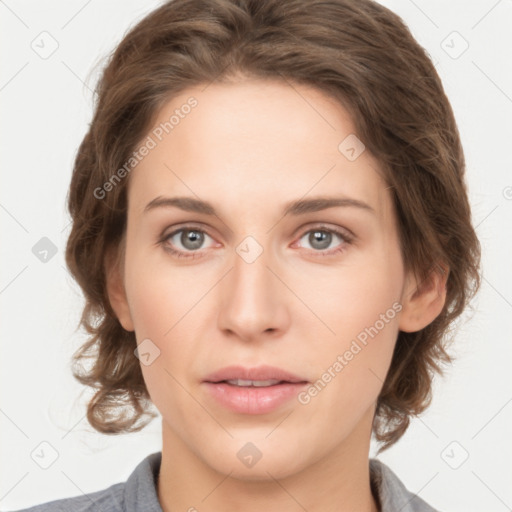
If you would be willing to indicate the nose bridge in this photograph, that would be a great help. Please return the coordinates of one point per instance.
(252, 302)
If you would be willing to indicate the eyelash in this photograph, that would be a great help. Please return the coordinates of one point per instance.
(347, 240)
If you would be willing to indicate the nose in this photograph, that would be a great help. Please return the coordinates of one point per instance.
(253, 302)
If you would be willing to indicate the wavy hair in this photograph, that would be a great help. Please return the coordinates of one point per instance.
(355, 51)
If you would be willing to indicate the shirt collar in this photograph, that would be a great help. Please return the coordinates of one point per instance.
(140, 492)
(392, 493)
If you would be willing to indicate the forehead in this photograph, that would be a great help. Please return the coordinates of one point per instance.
(245, 142)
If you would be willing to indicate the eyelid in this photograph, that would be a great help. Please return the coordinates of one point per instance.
(324, 226)
(345, 234)
(192, 227)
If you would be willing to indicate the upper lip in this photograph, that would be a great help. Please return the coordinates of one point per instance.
(256, 373)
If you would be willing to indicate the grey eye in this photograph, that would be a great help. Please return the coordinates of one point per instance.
(190, 239)
(320, 239)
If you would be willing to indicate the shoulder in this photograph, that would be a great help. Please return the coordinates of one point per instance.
(106, 500)
(393, 494)
(139, 492)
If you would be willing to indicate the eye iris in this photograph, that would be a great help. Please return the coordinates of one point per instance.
(191, 239)
(322, 236)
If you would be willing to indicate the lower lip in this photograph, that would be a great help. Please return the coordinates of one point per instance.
(251, 399)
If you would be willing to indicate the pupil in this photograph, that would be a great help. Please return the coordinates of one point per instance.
(322, 237)
(191, 239)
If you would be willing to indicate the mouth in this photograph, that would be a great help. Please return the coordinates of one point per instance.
(253, 391)
(260, 376)
(256, 383)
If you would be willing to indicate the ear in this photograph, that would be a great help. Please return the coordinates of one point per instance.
(422, 302)
(115, 285)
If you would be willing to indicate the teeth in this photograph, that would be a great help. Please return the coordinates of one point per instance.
(255, 383)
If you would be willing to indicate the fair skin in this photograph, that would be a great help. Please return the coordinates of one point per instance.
(249, 148)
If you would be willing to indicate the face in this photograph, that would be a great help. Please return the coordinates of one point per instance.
(314, 291)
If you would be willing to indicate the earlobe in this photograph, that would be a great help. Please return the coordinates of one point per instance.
(423, 301)
(116, 289)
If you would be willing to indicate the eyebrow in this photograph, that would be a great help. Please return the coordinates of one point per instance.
(297, 207)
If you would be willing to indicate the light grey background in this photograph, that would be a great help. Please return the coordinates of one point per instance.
(46, 107)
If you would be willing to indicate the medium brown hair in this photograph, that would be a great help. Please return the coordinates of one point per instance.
(356, 51)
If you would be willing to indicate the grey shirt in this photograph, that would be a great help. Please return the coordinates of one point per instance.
(139, 493)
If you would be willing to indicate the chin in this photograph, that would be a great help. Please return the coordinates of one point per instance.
(260, 460)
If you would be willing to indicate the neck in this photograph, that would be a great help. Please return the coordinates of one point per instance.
(339, 482)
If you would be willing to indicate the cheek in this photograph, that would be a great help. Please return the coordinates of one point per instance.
(361, 308)
(164, 310)
(159, 307)
(352, 299)
(156, 295)
(350, 373)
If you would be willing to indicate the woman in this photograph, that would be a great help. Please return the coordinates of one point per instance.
(273, 236)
